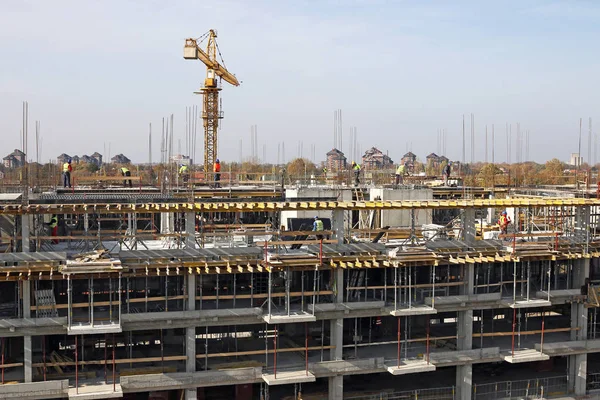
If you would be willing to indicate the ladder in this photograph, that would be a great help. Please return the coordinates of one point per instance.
(45, 298)
(365, 218)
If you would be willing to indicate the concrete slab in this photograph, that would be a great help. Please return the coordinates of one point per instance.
(531, 303)
(96, 391)
(289, 377)
(95, 329)
(36, 390)
(527, 355)
(414, 310)
(411, 367)
(292, 318)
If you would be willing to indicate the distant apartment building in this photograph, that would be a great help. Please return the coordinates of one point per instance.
(434, 161)
(576, 160)
(409, 158)
(180, 159)
(336, 160)
(15, 159)
(63, 158)
(375, 159)
(120, 159)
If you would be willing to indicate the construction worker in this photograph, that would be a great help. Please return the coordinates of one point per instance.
(503, 221)
(400, 172)
(67, 169)
(126, 172)
(324, 170)
(53, 225)
(217, 171)
(446, 173)
(356, 169)
(318, 227)
(184, 173)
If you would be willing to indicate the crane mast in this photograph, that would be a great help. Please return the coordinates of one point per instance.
(211, 108)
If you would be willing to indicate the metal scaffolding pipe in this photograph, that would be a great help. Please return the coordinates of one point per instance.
(76, 367)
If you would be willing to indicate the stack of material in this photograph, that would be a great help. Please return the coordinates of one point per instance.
(94, 262)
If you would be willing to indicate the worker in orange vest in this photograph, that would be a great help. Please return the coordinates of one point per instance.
(217, 171)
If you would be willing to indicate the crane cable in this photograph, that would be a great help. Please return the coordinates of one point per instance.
(220, 55)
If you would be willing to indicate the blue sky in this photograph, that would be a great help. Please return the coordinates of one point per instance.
(96, 72)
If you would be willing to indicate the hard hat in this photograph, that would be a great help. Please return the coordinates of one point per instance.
(69, 161)
(503, 212)
(217, 161)
(316, 217)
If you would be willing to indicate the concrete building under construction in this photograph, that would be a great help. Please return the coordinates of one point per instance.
(409, 292)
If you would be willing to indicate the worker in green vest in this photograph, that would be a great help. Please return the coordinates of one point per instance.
(53, 225)
(126, 172)
(400, 172)
(184, 173)
(356, 169)
(318, 227)
(67, 169)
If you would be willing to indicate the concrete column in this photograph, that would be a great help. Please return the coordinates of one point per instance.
(579, 319)
(190, 230)
(464, 373)
(337, 225)
(190, 343)
(336, 326)
(336, 388)
(469, 231)
(27, 350)
(25, 241)
(191, 291)
(167, 222)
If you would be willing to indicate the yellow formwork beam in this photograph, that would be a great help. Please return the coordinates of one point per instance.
(283, 205)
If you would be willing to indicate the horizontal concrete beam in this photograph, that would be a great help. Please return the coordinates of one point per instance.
(184, 319)
(190, 380)
(36, 390)
(569, 348)
(562, 296)
(347, 367)
(33, 326)
(464, 357)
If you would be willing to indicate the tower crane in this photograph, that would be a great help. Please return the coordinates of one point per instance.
(211, 112)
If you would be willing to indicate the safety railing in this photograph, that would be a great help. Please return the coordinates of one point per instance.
(537, 388)
(443, 393)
